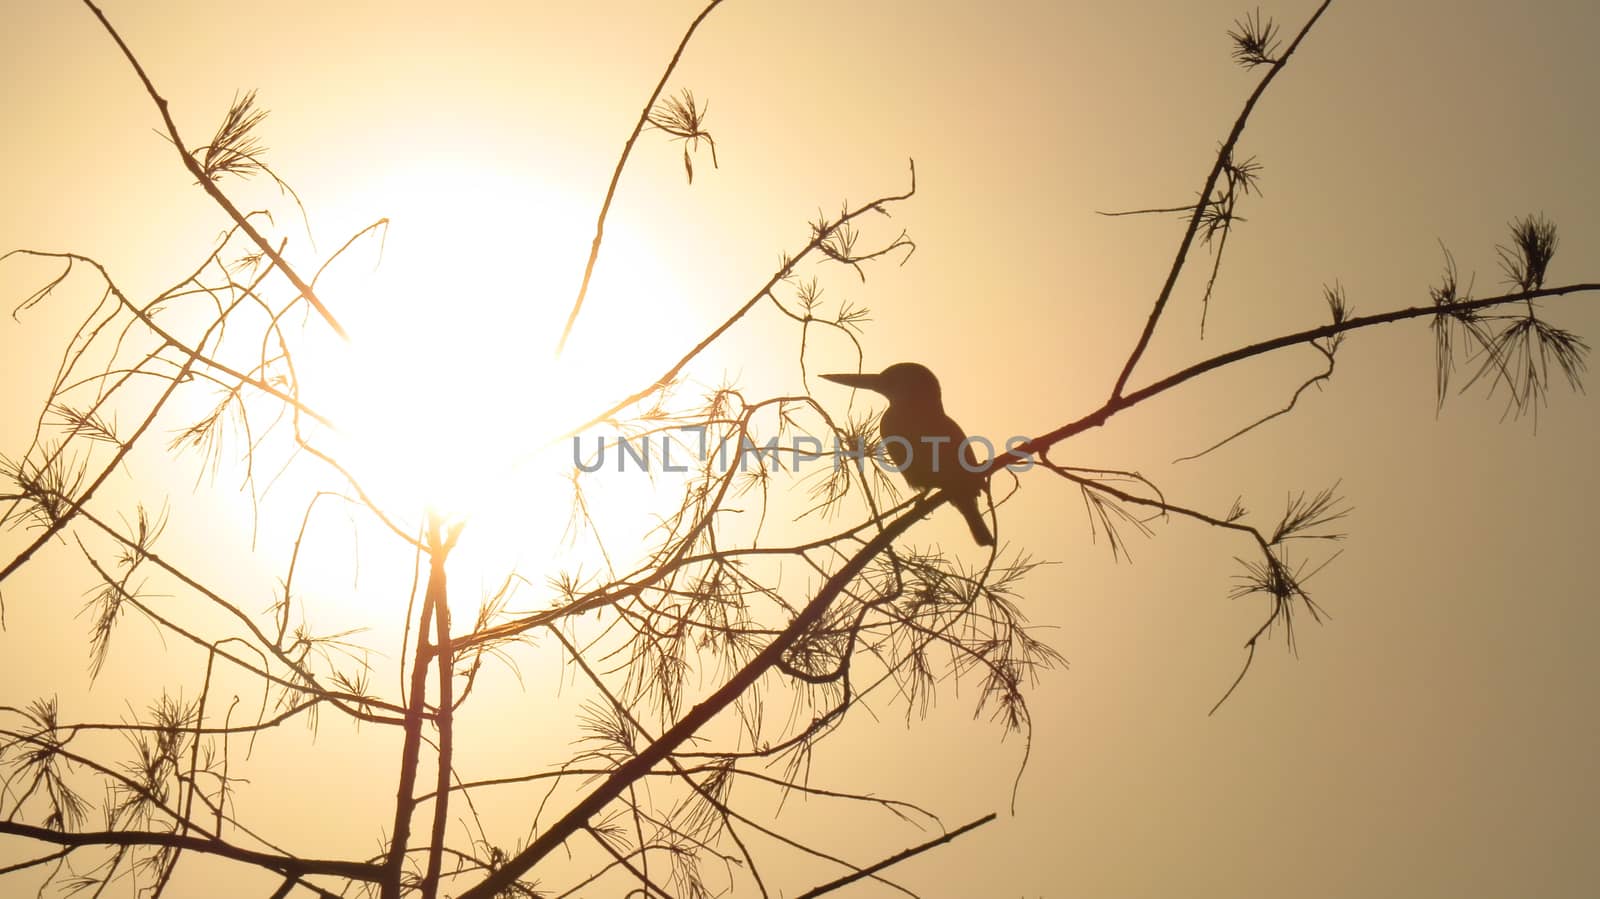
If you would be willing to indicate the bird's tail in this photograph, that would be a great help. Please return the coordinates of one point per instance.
(969, 510)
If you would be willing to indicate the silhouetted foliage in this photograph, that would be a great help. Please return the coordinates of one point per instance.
(711, 663)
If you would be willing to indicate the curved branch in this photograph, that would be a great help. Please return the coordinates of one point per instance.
(784, 270)
(1285, 409)
(616, 176)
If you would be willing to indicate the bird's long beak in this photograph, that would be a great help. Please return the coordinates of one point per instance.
(870, 382)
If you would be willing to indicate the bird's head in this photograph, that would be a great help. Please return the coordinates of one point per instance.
(903, 382)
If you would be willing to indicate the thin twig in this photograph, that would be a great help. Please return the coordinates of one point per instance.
(616, 174)
(897, 858)
(1223, 156)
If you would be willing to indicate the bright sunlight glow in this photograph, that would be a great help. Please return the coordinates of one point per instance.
(449, 395)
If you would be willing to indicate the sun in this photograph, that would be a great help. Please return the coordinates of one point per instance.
(449, 395)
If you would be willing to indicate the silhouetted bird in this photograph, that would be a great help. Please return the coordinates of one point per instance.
(916, 412)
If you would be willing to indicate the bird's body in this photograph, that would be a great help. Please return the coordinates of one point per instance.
(924, 443)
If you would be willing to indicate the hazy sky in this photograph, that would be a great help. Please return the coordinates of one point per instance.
(1437, 737)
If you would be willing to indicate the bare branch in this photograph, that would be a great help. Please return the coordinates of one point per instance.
(622, 162)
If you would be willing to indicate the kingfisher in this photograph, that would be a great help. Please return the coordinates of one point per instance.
(929, 440)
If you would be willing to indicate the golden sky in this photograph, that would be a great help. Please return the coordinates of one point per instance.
(1436, 737)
